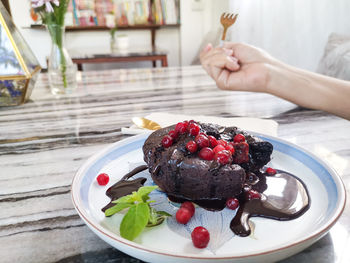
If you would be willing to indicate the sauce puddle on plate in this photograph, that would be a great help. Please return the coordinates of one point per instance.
(283, 197)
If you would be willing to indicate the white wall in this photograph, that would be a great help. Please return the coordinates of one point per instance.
(295, 31)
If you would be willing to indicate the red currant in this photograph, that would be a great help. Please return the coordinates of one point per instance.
(181, 127)
(167, 141)
(252, 194)
(271, 171)
(206, 154)
(213, 142)
(230, 148)
(173, 134)
(183, 215)
(192, 146)
(218, 148)
(189, 206)
(223, 157)
(200, 237)
(222, 142)
(232, 203)
(202, 140)
(239, 138)
(102, 179)
(194, 129)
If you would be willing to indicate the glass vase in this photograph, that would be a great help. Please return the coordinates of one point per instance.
(61, 69)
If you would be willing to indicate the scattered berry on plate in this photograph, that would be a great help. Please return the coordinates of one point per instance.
(102, 179)
(200, 237)
(232, 203)
(252, 194)
(271, 171)
(183, 215)
(188, 205)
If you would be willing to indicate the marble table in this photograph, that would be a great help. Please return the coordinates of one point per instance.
(45, 141)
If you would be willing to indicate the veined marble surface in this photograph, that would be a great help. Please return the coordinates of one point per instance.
(45, 141)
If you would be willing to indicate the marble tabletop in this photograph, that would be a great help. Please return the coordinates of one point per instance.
(45, 141)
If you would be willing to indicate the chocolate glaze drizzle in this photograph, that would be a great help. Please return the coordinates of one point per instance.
(125, 186)
(283, 197)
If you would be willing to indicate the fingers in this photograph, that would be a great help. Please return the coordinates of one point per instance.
(216, 60)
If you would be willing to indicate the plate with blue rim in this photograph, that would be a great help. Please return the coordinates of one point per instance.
(271, 240)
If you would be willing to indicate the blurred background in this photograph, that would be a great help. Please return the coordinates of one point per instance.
(295, 31)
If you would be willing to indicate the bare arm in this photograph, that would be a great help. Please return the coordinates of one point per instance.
(246, 68)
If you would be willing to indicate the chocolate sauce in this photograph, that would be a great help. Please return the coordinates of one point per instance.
(125, 186)
(283, 197)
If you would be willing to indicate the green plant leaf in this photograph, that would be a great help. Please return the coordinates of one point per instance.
(152, 217)
(144, 191)
(163, 213)
(117, 208)
(124, 199)
(134, 221)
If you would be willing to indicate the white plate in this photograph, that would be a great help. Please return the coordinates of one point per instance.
(272, 240)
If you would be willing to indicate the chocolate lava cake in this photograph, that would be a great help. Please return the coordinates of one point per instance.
(198, 161)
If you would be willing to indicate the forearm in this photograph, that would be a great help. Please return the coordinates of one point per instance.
(310, 90)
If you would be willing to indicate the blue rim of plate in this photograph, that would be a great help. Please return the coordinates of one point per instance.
(327, 175)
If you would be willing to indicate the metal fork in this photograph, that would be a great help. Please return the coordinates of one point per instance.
(227, 20)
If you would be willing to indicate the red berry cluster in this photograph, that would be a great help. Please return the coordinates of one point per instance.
(207, 146)
(200, 236)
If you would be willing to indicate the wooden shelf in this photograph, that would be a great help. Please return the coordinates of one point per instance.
(104, 28)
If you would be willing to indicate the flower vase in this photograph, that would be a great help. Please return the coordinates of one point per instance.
(61, 69)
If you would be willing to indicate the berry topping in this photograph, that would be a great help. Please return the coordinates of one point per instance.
(219, 148)
(232, 203)
(222, 142)
(239, 138)
(167, 141)
(252, 194)
(200, 237)
(230, 148)
(241, 153)
(181, 127)
(194, 129)
(202, 140)
(183, 215)
(271, 171)
(192, 146)
(212, 141)
(102, 179)
(206, 154)
(189, 206)
(173, 134)
(223, 157)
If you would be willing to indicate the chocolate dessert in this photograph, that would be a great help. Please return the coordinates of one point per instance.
(217, 167)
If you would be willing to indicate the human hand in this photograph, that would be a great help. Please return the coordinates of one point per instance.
(238, 66)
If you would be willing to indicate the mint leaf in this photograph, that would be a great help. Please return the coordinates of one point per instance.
(156, 217)
(163, 213)
(124, 199)
(152, 217)
(117, 208)
(144, 191)
(134, 221)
